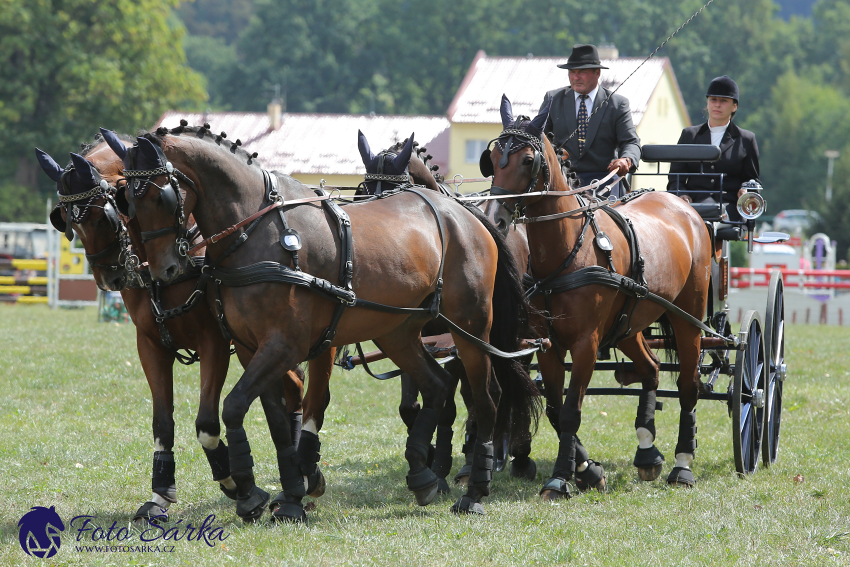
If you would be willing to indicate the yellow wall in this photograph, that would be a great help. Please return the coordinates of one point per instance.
(662, 123)
(459, 134)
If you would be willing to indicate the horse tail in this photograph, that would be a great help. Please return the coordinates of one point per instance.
(520, 402)
(671, 354)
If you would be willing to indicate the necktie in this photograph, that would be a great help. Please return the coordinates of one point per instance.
(582, 122)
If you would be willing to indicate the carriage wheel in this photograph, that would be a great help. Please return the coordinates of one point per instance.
(748, 411)
(774, 331)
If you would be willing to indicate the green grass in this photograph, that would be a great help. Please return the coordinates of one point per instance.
(75, 420)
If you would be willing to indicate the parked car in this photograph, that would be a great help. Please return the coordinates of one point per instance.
(793, 219)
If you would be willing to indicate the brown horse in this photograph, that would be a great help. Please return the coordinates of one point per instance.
(105, 236)
(675, 249)
(423, 253)
(519, 442)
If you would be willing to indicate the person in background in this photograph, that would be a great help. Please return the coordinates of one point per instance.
(739, 152)
(593, 125)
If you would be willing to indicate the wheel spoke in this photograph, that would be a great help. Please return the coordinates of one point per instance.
(746, 413)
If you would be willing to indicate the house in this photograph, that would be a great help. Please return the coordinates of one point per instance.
(312, 147)
(657, 106)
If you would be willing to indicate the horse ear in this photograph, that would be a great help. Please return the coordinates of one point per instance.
(365, 152)
(112, 139)
(507, 112)
(50, 167)
(148, 150)
(85, 170)
(402, 160)
(539, 121)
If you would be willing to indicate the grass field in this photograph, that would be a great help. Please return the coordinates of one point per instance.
(75, 419)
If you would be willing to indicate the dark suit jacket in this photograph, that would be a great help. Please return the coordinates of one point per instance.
(610, 131)
(739, 160)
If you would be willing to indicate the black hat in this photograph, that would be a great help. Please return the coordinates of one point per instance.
(583, 57)
(724, 87)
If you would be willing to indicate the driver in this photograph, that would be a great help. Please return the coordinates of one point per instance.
(739, 153)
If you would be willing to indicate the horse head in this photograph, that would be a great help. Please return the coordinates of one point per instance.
(87, 206)
(386, 170)
(521, 161)
(151, 195)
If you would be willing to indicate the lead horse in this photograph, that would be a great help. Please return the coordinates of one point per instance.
(272, 277)
(114, 248)
(661, 246)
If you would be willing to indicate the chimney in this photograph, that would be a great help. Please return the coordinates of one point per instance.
(608, 51)
(275, 114)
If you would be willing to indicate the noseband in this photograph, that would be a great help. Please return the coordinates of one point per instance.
(512, 140)
(136, 186)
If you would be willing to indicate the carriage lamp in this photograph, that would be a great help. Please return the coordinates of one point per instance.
(751, 205)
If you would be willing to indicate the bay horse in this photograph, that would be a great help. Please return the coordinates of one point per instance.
(417, 256)
(88, 208)
(519, 435)
(674, 256)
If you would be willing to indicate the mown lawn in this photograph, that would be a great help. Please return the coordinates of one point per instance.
(75, 420)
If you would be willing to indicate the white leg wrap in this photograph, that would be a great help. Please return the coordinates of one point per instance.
(160, 501)
(684, 460)
(644, 437)
(208, 441)
(310, 425)
(582, 467)
(228, 483)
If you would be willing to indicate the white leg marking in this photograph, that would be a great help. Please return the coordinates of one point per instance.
(644, 437)
(228, 483)
(160, 501)
(157, 445)
(208, 441)
(310, 426)
(684, 460)
(582, 467)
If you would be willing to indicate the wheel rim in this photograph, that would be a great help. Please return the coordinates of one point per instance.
(749, 397)
(775, 333)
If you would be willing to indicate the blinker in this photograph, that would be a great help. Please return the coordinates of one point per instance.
(169, 197)
(485, 163)
(290, 240)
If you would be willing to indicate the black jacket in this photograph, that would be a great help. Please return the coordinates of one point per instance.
(610, 132)
(739, 160)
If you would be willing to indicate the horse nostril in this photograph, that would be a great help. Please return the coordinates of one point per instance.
(171, 272)
(501, 224)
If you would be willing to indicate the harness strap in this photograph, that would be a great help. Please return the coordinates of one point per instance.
(365, 365)
(92, 258)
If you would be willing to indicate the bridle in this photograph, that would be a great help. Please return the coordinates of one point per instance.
(380, 176)
(76, 213)
(137, 182)
(512, 140)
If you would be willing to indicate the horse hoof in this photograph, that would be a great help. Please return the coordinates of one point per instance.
(650, 473)
(681, 476)
(149, 513)
(250, 508)
(316, 484)
(466, 505)
(443, 487)
(462, 477)
(287, 509)
(426, 495)
(529, 472)
(591, 477)
(555, 489)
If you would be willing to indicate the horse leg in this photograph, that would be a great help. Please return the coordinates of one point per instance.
(470, 433)
(404, 347)
(648, 459)
(214, 362)
(408, 407)
(270, 362)
(293, 384)
(688, 347)
(157, 364)
(521, 465)
(570, 449)
(316, 401)
(551, 364)
(442, 462)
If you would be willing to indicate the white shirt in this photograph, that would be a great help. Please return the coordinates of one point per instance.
(588, 103)
(717, 133)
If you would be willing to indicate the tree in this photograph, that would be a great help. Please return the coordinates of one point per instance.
(69, 66)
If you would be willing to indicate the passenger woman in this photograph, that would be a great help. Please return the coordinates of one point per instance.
(739, 153)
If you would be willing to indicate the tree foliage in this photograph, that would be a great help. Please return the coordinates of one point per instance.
(69, 66)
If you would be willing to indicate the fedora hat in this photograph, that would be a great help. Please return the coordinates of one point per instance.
(583, 57)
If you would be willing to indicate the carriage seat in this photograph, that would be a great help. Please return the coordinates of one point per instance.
(710, 210)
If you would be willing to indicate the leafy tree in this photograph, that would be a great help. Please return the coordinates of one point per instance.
(20, 204)
(221, 19)
(69, 66)
(835, 214)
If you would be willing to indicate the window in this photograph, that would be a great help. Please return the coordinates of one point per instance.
(474, 149)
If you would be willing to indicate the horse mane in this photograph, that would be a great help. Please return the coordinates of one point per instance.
(202, 132)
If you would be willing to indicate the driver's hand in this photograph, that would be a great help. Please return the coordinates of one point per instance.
(622, 165)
